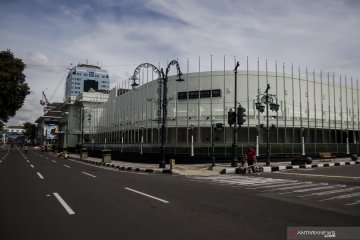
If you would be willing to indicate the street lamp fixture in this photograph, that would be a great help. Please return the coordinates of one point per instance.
(163, 101)
(268, 100)
(134, 85)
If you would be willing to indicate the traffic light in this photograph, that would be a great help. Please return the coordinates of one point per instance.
(231, 117)
(241, 115)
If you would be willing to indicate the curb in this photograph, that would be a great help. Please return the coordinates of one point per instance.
(124, 168)
(290, 167)
(231, 170)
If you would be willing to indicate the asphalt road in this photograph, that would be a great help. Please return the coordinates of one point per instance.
(44, 197)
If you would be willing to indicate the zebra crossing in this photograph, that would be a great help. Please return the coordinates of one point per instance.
(320, 191)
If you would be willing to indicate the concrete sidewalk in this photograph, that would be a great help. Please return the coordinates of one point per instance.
(206, 169)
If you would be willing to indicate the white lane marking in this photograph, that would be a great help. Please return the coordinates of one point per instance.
(40, 176)
(303, 185)
(147, 195)
(261, 185)
(331, 192)
(342, 196)
(31, 165)
(67, 166)
(88, 174)
(349, 204)
(249, 182)
(319, 188)
(319, 175)
(283, 185)
(53, 161)
(28, 161)
(64, 204)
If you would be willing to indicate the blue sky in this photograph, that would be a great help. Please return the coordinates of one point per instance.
(49, 35)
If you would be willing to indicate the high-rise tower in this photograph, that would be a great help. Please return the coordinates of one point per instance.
(83, 77)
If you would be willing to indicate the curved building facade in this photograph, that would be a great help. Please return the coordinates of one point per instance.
(320, 108)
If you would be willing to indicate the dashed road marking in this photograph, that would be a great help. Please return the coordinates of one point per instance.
(147, 195)
(40, 176)
(64, 204)
(88, 174)
(67, 166)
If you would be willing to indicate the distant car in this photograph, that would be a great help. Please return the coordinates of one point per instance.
(37, 147)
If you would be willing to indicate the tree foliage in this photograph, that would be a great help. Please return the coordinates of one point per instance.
(13, 88)
(30, 131)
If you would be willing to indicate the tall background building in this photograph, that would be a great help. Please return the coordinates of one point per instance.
(83, 77)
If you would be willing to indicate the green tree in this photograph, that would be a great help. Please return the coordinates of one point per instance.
(30, 131)
(13, 88)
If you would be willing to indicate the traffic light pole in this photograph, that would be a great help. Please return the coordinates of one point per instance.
(234, 160)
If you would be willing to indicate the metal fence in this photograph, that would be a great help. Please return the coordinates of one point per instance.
(226, 150)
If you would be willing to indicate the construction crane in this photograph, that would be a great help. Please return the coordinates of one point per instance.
(44, 100)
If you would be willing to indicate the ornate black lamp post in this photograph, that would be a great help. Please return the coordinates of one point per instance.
(268, 100)
(163, 80)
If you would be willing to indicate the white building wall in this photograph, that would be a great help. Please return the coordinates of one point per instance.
(307, 99)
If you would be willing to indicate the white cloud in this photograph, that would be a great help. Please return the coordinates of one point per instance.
(120, 35)
(41, 62)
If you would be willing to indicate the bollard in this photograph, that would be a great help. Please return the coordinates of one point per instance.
(172, 163)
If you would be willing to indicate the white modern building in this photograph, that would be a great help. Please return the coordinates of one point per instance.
(323, 108)
(83, 77)
(80, 118)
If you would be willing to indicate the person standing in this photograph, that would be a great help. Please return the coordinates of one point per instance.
(251, 158)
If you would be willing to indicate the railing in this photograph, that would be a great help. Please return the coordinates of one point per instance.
(225, 150)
